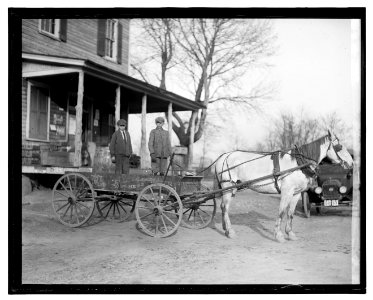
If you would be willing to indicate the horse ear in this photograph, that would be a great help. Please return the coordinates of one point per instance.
(329, 134)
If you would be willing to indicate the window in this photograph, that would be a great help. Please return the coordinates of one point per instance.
(38, 113)
(111, 39)
(50, 27)
(109, 43)
(54, 28)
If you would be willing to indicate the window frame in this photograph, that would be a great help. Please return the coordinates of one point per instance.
(115, 43)
(55, 35)
(37, 84)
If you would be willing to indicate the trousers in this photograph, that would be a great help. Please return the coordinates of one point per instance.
(160, 165)
(122, 164)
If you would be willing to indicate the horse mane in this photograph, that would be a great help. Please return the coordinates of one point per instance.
(310, 151)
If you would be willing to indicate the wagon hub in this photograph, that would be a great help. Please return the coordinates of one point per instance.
(72, 200)
(158, 210)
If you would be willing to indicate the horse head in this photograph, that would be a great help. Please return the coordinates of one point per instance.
(338, 153)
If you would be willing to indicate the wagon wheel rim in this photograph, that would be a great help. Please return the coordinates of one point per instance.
(155, 210)
(73, 199)
(199, 215)
(115, 209)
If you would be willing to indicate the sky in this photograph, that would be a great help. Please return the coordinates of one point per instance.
(312, 70)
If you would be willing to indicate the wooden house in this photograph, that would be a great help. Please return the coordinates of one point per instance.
(75, 86)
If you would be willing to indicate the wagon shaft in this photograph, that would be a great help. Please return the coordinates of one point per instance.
(198, 196)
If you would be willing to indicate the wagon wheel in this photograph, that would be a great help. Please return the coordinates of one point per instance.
(158, 210)
(306, 204)
(198, 215)
(73, 199)
(115, 208)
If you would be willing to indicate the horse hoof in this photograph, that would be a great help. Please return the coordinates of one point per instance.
(292, 236)
(230, 234)
(280, 237)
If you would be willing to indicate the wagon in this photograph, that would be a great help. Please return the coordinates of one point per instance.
(160, 203)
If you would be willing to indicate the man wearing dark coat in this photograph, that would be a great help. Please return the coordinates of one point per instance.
(121, 148)
(159, 147)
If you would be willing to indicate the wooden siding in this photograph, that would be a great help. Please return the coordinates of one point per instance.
(81, 42)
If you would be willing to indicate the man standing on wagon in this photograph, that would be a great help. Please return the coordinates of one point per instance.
(121, 148)
(159, 147)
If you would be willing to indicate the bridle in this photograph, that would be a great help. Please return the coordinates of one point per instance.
(337, 148)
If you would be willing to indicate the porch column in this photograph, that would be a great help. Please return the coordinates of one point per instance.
(117, 106)
(78, 129)
(191, 139)
(169, 120)
(144, 152)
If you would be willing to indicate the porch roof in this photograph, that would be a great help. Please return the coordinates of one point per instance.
(157, 98)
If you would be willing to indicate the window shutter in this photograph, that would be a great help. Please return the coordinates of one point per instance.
(120, 39)
(101, 33)
(63, 30)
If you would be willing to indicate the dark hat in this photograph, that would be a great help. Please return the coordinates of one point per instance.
(159, 120)
(121, 122)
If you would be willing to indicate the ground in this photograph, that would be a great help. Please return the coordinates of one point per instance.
(118, 253)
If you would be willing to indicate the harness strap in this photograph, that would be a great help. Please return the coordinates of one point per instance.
(276, 169)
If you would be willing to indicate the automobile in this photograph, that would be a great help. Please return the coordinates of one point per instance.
(334, 188)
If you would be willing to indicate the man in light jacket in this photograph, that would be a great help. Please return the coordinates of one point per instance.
(159, 147)
(121, 148)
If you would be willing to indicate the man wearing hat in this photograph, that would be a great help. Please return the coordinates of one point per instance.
(121, 148)
(159, 147)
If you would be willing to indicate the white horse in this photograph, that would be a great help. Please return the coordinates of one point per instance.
(240, 166)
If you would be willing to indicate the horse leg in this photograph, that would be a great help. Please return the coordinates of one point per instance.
(284, 203)
(226, 200)
(289, 223)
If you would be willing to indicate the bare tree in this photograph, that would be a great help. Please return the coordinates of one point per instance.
(289, 130)
(215, 53)
(161, 47)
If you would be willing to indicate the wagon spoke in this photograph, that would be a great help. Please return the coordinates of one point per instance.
(81, 204)
(203, 221)
(206, 205)
(205, 212)
(59, 200)
(111, 204)
(62, 207)
(148, 201)
(171, 212)
(57, 191)
(152, 193)
(120, 205)
(142, 217)
(169, 220)
(102, 208)
(144, 207)
(76, 212)
(65, 189)
(164, 224)
(156, 225)
(68, 179)
(190, 214)
(186, 211)
(67, 209)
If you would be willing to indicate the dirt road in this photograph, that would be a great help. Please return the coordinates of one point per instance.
(118, 253)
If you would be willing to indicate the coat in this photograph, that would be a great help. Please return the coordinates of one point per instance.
(159, 143)
(118, 146)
